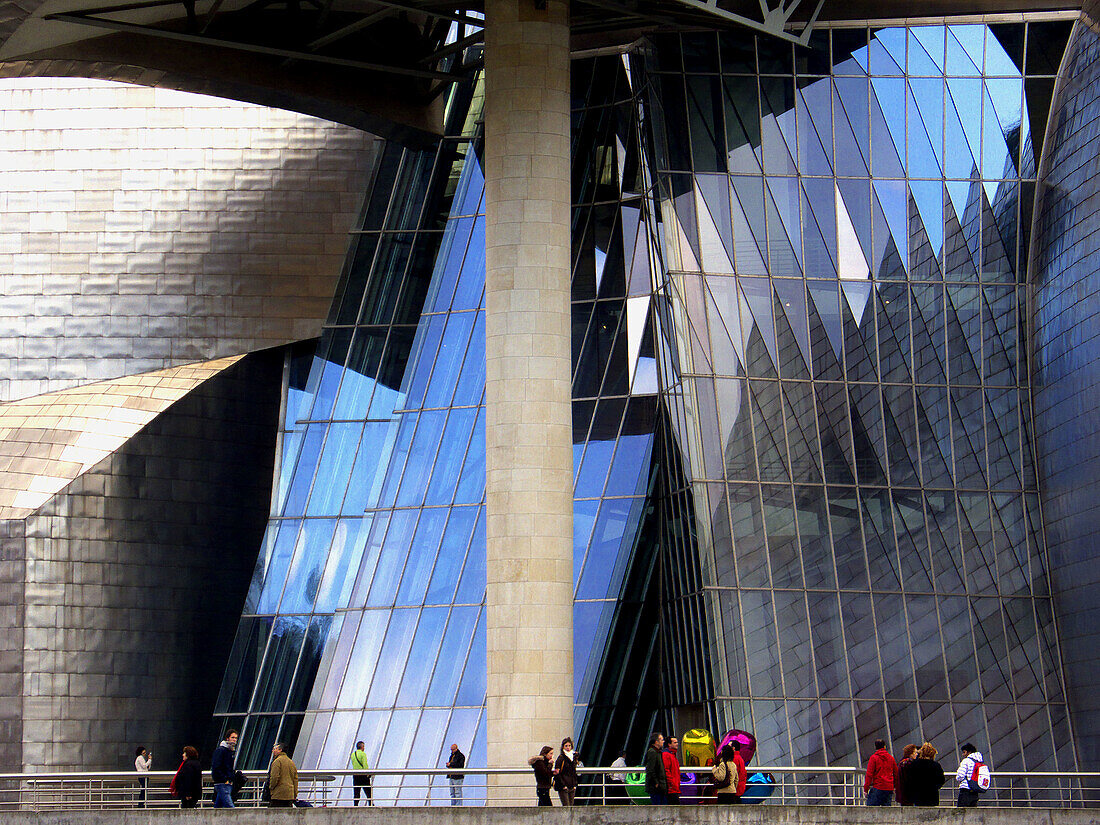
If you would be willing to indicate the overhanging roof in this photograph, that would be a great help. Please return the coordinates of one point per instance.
(381, 65)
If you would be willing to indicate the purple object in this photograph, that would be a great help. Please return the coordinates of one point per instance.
(745, 739)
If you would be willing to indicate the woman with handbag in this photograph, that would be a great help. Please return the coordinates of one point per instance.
(726, 777)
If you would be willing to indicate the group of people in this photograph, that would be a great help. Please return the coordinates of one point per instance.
(559, 775)
(917, 779)
(280, 789)
(662, 772)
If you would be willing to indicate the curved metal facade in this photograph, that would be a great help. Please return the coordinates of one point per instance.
(1067, 371)
(145, 232)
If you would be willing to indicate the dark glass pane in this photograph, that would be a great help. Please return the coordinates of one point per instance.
(761, 645)
(244, 664)
(859, 629)
(345, 308)
(927, 648)
(916, 566)
(1045, 44)
(280, 663)
(307, 666)
(700, 52)
(892, 627)
(776, 56)
(704, 100)
(813, 58)
(387, 274)
(847, 42)
(1005, 40)
(844, 522)
(748, 537)
(738, 52)
(958, 642)
(794, 643)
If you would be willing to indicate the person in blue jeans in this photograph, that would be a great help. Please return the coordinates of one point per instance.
(881, 777)
(221, 770)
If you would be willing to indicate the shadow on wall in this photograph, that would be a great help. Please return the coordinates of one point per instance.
(156, 545)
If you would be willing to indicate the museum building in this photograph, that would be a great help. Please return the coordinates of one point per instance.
(832, 436)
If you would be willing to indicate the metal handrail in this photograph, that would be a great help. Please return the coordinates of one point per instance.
(825, 785)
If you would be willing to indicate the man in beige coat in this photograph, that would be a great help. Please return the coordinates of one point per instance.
(282, 778)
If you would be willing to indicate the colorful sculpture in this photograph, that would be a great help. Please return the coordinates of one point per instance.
(698, 750)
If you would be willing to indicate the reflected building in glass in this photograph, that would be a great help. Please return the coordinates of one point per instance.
(822, 357)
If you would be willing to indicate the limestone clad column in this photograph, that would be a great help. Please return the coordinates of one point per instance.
(528, 434)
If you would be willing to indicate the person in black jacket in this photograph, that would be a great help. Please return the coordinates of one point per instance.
(656, 781)
(543, 765)
(922, 777)
(565, 773)
(221, 770)
(189, 779)
(458, 762)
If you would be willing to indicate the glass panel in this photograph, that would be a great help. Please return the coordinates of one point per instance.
(422, 553)
(452, 554)
(452, 655)
(273, 685)
(425, 647)
(393, 659)
(471, 588)
(310, 557)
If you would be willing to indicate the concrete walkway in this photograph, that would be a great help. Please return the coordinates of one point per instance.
(695, 815)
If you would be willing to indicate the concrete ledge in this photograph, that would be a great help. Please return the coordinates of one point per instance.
(581, 815)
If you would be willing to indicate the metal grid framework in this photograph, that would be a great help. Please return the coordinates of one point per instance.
(820, 273)
(847, 234)
(365, 617)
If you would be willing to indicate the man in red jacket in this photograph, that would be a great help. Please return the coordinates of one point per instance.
(882, 773)
(671, 757)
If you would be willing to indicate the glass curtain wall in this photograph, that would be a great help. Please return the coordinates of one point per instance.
(365, 618)
(805, 499)
(845, 370)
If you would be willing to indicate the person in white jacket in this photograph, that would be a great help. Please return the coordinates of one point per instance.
(143, 761)
(971, 759)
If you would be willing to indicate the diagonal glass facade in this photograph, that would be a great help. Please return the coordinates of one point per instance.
(845, 372)
(365, 618)
(805, 493)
